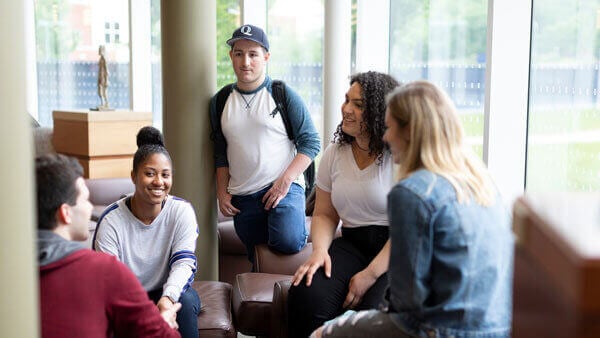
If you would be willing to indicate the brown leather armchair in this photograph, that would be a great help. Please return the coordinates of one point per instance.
(279, 309)
(259, 298)
(255, 309)
(233, 259)
(268, 261)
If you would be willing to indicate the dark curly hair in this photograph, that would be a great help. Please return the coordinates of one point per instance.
(374, 88)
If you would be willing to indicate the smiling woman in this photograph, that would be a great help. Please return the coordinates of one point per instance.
(354, 176)
(155, 233)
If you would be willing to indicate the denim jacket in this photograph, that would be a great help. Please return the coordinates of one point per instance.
(450, 272)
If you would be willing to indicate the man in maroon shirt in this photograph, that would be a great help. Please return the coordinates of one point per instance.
(85, 293)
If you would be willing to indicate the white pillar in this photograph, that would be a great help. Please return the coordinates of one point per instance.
(372, 35)
(189, 59)
(336, 63)
(254, 12)
(140, 55)
(31, 60)
(507, 93)
(19, 316)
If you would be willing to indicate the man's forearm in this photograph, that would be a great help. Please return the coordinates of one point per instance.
(296, 167)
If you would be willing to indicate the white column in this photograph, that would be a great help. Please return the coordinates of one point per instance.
(507, 93)
(336, 63)
(140, 52)
(31, 60)
(19, 316)
(254, 12)
(189, 59)
(372, 35)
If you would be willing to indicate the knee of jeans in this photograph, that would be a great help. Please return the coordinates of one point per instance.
(288, 244)
(190, 302)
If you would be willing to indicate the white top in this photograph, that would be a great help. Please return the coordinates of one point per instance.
(358, 196)
(161, 254)
(258, 147)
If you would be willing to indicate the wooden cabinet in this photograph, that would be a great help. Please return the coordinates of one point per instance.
(102, 141)
(557, 265)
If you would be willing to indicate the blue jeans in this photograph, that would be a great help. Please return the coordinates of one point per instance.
(187, 316)
(282, 228)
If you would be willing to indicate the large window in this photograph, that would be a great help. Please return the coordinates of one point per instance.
(563, 151)
(295, 30)
(68, 36)
(444, 41)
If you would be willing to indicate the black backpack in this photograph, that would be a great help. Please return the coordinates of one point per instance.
(280, 98)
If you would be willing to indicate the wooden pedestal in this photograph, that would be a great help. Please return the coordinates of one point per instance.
(102, 141)
(557, 265)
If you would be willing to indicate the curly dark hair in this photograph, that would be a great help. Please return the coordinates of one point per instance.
(375, 86)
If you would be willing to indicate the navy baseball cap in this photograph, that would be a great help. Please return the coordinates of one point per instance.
(252, 33)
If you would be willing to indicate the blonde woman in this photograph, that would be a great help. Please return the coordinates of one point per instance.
(451, 254)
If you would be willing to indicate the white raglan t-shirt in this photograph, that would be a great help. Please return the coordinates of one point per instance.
(258, 147)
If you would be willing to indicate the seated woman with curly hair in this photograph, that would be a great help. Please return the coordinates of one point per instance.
(355, 174)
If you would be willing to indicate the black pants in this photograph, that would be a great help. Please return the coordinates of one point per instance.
(310, 307)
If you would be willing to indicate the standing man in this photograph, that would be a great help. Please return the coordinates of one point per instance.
(85, 293)
(259, 165)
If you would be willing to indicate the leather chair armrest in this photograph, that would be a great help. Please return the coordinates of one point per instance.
(279, 309)
(268, 261)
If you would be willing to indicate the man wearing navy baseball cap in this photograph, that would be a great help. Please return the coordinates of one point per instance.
(264, 139)
(252, 33)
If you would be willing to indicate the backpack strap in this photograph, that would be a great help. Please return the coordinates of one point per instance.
(215, 120)
(280, 98)
(222, 96)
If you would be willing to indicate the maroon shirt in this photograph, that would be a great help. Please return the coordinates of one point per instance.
(91, 294)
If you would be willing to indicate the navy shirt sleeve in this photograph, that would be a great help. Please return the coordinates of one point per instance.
(306, 136)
